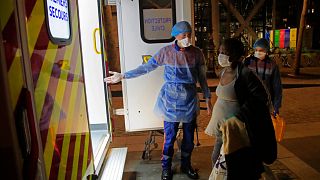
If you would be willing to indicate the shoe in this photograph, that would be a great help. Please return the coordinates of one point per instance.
(190, 172)
(166, 174)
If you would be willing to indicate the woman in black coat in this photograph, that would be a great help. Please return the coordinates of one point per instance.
(247, 162)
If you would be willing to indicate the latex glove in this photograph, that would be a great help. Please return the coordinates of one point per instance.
(115, 78)
(209, 107)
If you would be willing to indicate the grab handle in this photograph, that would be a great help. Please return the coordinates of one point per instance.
(95, 40)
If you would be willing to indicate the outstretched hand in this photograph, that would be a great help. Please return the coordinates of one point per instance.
(115, 78)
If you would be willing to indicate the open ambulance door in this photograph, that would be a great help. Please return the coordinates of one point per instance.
(144, 26)
(108, 162)
(94, 67)
(55, 121)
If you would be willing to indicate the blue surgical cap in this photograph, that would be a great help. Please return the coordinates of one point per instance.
(263, 43)
(180, 27)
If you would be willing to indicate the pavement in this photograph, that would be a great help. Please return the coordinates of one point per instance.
(298, 152)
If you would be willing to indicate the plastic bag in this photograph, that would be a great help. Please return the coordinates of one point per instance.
(219, 171)
(279, 126)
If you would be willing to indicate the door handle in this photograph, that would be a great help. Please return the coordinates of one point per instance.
(95, 40)
(26, 127)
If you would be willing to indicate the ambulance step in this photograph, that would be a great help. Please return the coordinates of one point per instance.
(115, 162)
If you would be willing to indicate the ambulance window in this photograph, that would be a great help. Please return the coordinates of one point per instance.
(58, 21)
(156, 20)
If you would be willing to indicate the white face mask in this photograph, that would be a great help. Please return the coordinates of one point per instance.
(184, 42)
(260, 55)
(223, 60)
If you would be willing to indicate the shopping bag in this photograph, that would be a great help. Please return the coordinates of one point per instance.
(219, 171)
(234, 135)
(279, 126)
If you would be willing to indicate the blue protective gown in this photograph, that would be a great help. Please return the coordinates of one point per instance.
(177, 100)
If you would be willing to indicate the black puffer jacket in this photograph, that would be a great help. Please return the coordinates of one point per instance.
(247, 163)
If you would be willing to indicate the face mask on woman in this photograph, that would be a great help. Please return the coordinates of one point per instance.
(260, 55)
(184, 42)
(223, 60)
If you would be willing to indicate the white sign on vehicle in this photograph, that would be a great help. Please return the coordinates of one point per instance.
(58, 18)
(157, 23)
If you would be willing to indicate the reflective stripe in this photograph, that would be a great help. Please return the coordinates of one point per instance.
(6, 10)
(86, 156)
(70, 102)
(15, 79)
(77, 128)
(59, 97)
(34, 25)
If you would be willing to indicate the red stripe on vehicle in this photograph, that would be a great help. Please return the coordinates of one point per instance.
(39, 53)
(10, 33)
(72, 144)
(56, 157)
(70, 156)
(89, 152)
(29, 5)
(10, 41)
(81, 155)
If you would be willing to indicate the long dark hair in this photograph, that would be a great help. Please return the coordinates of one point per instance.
(235, 51)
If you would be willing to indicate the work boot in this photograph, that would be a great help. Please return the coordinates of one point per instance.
(190, 172)
(166, 174)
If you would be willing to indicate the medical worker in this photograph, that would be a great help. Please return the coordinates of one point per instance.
(184, 66)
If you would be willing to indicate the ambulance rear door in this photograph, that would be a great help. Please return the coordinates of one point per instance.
(144, 27)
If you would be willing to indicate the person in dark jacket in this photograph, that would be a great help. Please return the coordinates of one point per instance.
(267, 70)
(253, 110)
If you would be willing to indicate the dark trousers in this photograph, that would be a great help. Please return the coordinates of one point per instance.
(170, 133)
